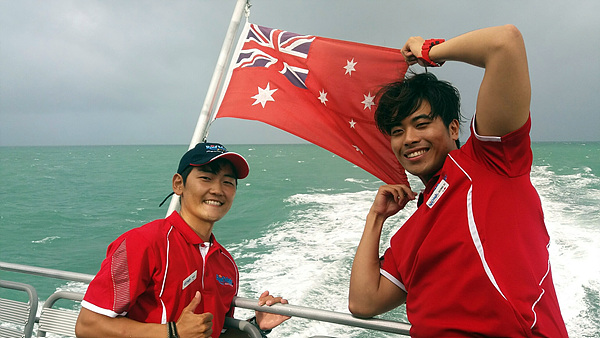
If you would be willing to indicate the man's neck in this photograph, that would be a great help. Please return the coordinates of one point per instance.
(203, 233)
(202, 229)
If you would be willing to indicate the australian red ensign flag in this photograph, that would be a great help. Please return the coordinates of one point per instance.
(322, 90)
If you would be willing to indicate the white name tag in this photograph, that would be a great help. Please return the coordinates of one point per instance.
(437, 193)
(189, 279)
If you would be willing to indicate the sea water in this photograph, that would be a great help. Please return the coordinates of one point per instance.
(293, 228)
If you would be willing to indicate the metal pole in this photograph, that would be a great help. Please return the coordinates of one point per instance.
(214, 86)
(59, 274)
(325, 316)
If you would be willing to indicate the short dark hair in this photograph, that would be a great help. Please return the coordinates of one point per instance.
(400, 99)
(214, 166)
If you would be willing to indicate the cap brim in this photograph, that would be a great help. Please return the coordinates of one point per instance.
(239, 162)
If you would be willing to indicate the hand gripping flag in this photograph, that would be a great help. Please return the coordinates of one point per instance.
(322, 90)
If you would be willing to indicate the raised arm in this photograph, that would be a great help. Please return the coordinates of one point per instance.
(371, 293)
(505, 92)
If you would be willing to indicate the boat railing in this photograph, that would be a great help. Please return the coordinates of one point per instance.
(241, 302)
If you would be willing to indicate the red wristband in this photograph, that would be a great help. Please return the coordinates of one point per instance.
(425, 52)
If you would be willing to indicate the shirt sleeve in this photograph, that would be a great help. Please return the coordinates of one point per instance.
(124, 275)
(509, 155)
(388, 269)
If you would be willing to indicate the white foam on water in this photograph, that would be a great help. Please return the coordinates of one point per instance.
(570, 204)
(308, 258)
(46, 239)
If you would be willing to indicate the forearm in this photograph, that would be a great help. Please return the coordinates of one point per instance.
(364, 278)
(91, 324)
(371, 294)
(482, 46)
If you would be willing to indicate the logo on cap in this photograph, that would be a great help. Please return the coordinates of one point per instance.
(215, 148)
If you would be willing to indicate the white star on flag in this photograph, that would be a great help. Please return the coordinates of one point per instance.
(323, 97)
(368, 102)
(350, 67)
(264, 95)
(352, 123)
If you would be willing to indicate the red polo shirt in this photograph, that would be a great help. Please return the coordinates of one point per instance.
(473, 258)
(152, 272)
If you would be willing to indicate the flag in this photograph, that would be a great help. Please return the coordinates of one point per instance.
(319, 89)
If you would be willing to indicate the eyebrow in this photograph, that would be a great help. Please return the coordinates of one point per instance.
(415, 119)
(422, 116)
(206, 169)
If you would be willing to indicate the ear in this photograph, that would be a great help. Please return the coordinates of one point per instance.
(177, 184)
(454, 128)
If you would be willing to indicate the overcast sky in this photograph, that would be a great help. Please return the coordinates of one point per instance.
(136, 72)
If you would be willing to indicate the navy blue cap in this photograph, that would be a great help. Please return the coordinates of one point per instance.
(204, 153)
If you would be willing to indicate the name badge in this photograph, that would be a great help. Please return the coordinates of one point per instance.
(189, 279)
(437, 193)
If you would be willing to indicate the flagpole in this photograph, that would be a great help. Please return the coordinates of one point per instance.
(215, 83)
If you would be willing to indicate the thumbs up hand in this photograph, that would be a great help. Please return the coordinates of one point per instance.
(194, 325)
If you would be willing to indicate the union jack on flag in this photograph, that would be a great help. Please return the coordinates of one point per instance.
(268, 47)
(316, 88)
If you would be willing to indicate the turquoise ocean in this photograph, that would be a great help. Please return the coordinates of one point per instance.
(293, 228)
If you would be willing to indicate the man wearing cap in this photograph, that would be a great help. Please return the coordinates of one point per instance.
(170, 277)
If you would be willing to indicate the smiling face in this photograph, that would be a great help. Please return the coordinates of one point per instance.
(206, 196)
(422, 142)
